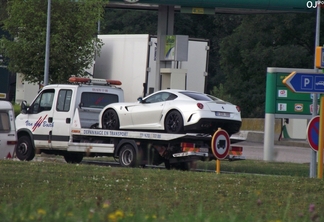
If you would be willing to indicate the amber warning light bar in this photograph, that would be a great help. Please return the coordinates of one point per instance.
(74, 79)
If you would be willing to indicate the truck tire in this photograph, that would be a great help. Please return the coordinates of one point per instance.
(127, 156)
(72, 157)
(110, 120)
(173, 122)
(25, 149)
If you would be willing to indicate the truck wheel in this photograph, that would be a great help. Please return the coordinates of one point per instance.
(110, 120)
(24, 149)
(127, 156)
(71, 157)
(173, 122)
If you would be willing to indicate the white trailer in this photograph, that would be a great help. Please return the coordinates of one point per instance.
(8, 136)
(132, 59)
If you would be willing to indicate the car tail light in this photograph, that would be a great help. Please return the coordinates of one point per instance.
(238, 109)
(200, 105)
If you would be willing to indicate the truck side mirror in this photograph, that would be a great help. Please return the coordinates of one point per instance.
(24, 107)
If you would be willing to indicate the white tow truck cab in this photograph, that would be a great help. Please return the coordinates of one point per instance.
(63, 120)
(8, 136)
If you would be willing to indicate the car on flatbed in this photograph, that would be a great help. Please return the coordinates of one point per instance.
(173, 111)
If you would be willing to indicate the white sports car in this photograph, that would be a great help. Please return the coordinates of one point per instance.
(173, 111)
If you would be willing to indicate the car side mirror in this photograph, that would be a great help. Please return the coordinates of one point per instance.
(140, 99)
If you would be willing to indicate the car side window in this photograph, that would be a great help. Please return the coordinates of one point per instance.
(160, 97)
(171, 97)
(43, 102)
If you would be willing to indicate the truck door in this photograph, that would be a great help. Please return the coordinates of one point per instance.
(62, 118)
(40, 118)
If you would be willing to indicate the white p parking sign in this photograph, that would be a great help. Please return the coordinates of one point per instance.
(307, 82)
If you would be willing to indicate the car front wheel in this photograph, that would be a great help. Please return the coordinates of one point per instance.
(110, 120)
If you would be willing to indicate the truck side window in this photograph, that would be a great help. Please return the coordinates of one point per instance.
(43, 102)
(64, 100)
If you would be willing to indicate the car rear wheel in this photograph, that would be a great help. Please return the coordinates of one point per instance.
(173, 122)
(110, 120)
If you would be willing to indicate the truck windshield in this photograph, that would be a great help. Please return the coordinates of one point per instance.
(97, 100)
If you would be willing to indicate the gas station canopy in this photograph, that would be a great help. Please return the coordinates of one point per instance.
(219, 6)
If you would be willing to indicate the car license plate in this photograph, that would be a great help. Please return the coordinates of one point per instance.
(222, 114)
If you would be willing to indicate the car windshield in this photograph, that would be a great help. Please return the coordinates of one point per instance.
(201, 96)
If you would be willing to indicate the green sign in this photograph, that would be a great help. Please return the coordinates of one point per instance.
(281, 100)
(170, 41)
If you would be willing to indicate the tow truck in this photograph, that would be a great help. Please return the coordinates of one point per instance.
(63, 120)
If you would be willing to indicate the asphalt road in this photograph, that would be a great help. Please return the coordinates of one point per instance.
(295, 154)
(255, 151)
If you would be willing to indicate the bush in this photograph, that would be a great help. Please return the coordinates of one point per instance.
(16, 108)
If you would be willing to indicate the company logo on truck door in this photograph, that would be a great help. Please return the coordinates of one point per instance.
(39, 123)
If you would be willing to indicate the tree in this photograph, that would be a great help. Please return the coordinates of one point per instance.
(261, 41)
(73, 42)
(3, 12)
(220, 93)
(129, 21)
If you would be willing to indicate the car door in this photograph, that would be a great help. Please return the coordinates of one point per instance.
(148, 113)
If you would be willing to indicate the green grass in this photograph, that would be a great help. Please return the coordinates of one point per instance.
(16, 108)
(55, 191)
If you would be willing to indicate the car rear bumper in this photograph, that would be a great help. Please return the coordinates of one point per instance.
(210, 125)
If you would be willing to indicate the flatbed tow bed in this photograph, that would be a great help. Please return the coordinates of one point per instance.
(140, 147)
